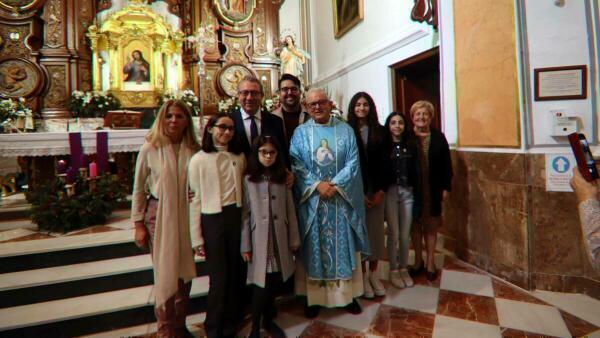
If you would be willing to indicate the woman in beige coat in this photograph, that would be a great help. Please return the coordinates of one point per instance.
(160, 212)
(269, 231)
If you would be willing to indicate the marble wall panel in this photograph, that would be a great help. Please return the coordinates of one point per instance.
(556, 236)
(500, 218)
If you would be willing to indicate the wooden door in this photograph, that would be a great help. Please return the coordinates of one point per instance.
(418, 78)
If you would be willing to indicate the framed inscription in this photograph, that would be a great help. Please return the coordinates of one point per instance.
(560, 83)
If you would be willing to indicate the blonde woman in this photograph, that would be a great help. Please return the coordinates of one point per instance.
(436, 181)
(160, 212)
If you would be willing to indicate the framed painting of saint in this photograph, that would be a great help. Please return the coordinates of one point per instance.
(346, 14)
(136, 67)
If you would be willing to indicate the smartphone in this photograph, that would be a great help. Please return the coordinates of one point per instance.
(583, 156)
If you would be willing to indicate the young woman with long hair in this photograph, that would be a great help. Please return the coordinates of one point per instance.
(362, 117)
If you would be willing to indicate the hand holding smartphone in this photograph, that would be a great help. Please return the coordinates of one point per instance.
(583, 156)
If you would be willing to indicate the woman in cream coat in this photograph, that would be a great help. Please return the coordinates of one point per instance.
(160, 212)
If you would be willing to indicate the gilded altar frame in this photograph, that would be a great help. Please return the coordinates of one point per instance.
(136, 28)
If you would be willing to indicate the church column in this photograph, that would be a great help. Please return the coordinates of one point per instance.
(66, 57)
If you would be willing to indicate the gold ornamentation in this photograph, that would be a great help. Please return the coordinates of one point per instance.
(140, 45)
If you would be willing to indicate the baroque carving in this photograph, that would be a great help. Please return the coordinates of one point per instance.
(57, 91)
(85, 20)
(235, 49)
(265, 78)
(14, 40)
(230, 76)
(235, 12)
(260, 40)
(53, 16)
(20, 8)
(209, 96)
(19, 78)
(85, 83)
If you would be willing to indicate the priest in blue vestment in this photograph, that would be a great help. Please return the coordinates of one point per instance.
(328, 190)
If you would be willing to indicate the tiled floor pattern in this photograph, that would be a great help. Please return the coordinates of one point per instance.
(462, 302)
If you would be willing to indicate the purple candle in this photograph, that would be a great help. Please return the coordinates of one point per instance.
(71, 175)
(61, 167)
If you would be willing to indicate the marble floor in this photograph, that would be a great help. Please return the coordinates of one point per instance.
(463, 302)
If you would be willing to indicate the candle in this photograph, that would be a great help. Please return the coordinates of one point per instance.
(71, 175)
(61, 167)
(93, 170)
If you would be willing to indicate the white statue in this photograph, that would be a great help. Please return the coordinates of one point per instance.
(292, 58)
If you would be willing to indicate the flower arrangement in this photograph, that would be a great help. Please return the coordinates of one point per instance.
(226, 105)
(92, 104)
(188, 96)
(272, 103)
(15, 115)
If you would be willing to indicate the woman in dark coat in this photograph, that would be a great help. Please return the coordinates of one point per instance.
(362, 117)
(436, 177)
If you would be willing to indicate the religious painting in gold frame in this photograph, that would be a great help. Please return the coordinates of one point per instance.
(234, 12)
(136, 56)
(346, 15)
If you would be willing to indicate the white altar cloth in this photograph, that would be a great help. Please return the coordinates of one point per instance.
(50, 144)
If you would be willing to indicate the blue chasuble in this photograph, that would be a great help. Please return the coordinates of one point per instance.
(332, 230)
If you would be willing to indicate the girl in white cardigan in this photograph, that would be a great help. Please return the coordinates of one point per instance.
(215, 177)
(269, 232)
(160, 212)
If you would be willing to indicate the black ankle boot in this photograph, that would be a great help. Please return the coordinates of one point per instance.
(274, 330)
(353, 308)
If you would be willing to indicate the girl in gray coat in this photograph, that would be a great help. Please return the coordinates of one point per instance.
(269, 231)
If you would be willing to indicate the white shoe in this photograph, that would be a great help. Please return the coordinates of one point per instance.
(378, 288)
(367, 285)
(408, 281)
(396, 279)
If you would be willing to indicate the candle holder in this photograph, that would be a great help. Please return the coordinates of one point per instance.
(70, 190)
(83, 172)
(92, 183)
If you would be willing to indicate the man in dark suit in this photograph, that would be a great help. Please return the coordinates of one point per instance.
(250, 121)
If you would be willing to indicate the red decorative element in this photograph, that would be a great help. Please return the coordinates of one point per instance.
(425, 11)
(104, 4)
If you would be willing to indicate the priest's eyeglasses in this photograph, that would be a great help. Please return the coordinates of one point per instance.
(316, 104)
